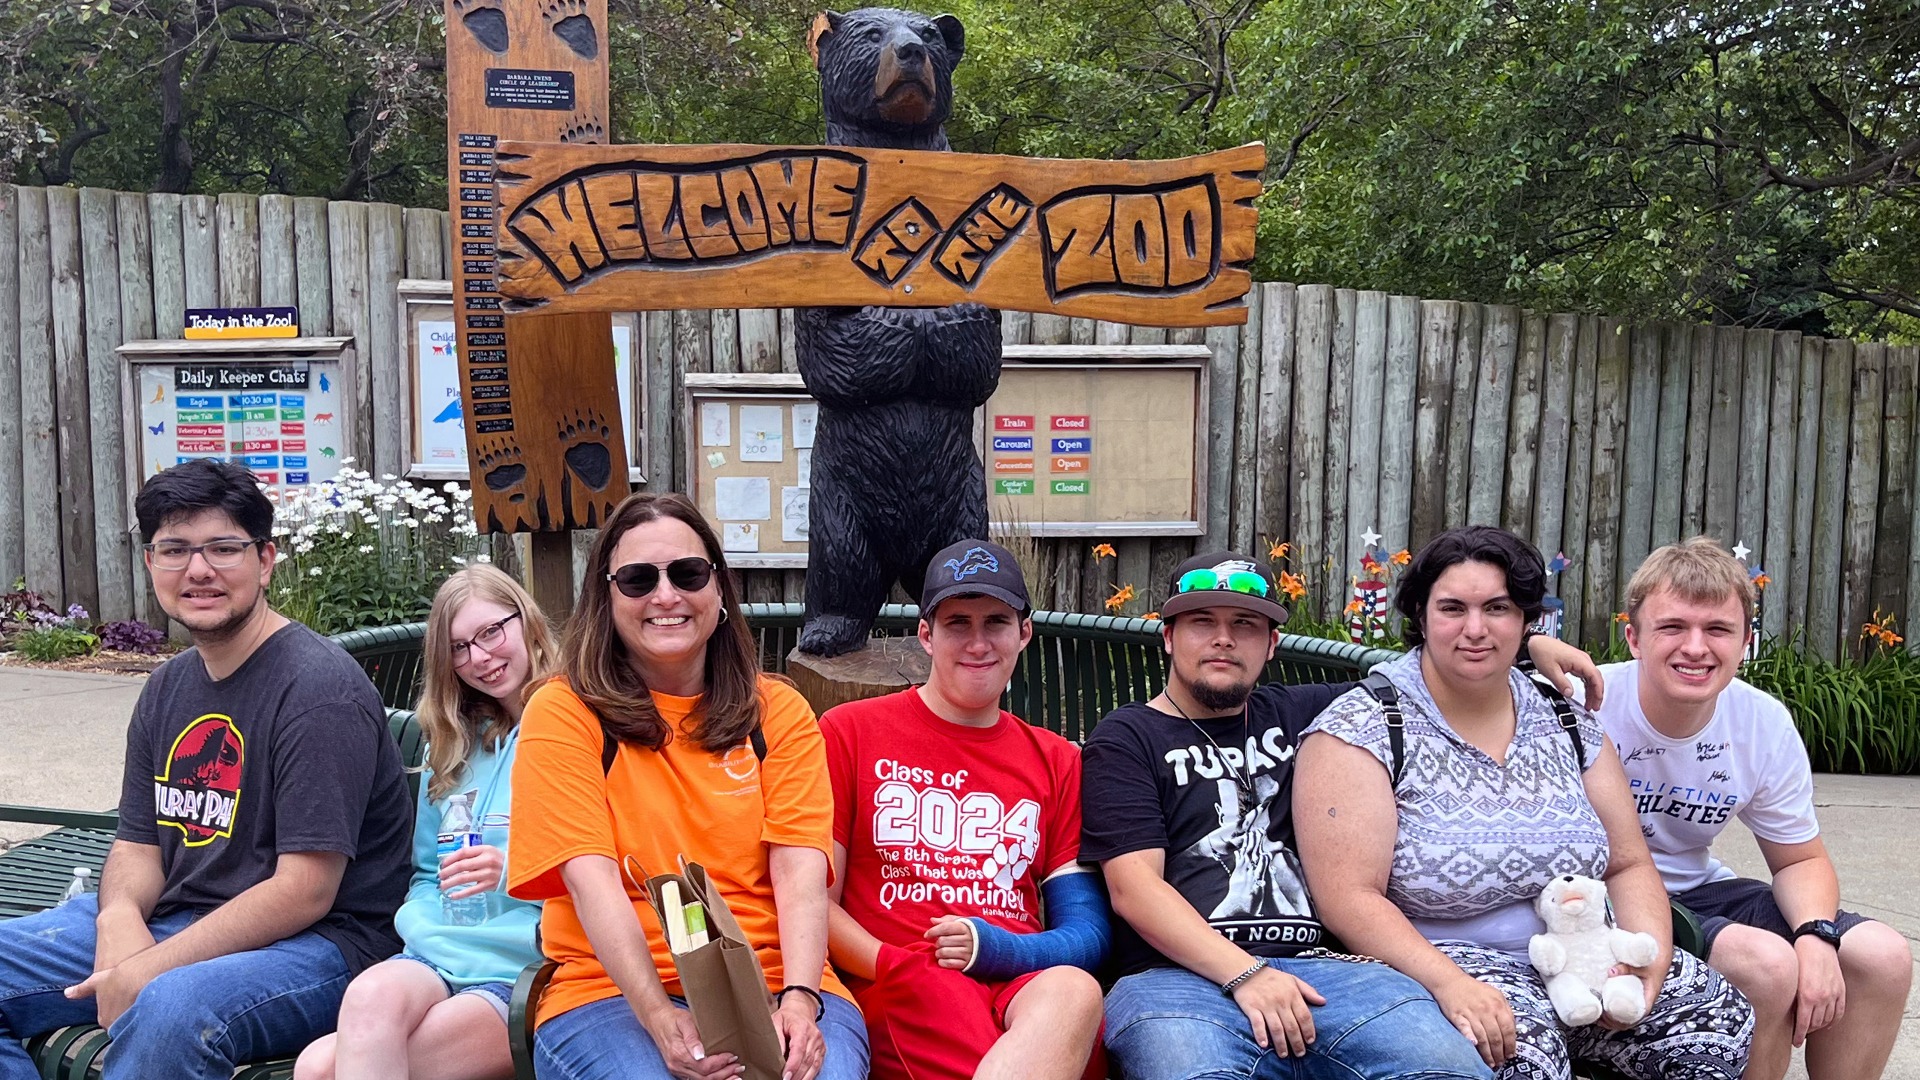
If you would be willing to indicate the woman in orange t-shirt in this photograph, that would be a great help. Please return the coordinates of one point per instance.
(659, 665)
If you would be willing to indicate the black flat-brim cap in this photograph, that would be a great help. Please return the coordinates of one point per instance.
(1223, 563)
(974, 568)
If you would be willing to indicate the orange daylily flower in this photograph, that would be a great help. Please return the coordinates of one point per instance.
(1103, 551)
(1401, 557)
(1122, 596)
(1279, 550)
(1293, 585)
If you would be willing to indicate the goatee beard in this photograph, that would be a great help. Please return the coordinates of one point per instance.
(1219, 699)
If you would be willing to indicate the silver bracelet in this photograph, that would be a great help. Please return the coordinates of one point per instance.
(1227, 988)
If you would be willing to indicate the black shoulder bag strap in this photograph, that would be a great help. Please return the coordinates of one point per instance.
(610, 747)
(1382, 691)
(1569, 720)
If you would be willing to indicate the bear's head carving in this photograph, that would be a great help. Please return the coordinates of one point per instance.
(886, 76)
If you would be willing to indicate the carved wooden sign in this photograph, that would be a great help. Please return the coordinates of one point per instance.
(544, 444)
(592, 228)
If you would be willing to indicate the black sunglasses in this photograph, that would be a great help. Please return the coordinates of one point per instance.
(638, 580)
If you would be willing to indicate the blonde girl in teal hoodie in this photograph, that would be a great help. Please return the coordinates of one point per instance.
(438, 1011)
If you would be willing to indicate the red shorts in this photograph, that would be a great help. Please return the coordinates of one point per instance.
(926, 1022)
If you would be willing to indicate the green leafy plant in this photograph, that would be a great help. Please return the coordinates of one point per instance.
(355, 552)
(48, 643)
(1856, 716)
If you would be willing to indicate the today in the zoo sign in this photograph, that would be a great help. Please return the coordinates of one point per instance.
(661, 227)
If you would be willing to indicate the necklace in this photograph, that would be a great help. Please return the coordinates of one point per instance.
(1241, 781)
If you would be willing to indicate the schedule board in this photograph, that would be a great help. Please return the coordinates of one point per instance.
(750, 463)
(281, 407)
(1092, 448)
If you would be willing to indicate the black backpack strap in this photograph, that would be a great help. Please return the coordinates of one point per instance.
(1382, 690)
(1569, 720)
(610, 748)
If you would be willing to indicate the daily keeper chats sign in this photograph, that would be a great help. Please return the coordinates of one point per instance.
(588, 228)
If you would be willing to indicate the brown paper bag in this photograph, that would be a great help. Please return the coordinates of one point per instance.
(723, 982)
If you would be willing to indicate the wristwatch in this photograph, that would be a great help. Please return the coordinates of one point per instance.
(1820, 928)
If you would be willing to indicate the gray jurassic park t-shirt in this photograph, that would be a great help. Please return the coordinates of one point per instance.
(290, 753)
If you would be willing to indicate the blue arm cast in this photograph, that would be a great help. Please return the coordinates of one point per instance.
(1078, 935)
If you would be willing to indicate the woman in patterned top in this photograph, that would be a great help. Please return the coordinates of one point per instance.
(1429, 856)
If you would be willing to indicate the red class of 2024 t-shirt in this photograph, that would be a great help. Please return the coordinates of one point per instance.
(942, 819)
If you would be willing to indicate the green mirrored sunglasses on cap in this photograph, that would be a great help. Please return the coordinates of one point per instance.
(1223, 577)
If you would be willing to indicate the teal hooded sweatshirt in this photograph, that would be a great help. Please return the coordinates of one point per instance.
(498, 948)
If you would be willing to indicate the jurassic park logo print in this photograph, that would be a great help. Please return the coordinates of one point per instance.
(199, 792)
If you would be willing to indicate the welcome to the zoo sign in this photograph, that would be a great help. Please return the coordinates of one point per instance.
(660, 227)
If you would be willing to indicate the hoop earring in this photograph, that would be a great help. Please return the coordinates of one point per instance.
(723, 616)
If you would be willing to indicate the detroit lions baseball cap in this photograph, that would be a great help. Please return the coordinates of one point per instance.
(974, 568)
(1223, 579)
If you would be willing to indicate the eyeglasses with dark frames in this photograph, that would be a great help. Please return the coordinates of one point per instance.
(220, 554)
(491, 637)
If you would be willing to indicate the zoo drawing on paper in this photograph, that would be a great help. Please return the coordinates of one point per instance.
(658, 227)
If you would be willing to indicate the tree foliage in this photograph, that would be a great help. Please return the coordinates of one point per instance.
(1724, 159)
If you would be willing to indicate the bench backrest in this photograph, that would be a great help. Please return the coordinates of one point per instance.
(1077, 669)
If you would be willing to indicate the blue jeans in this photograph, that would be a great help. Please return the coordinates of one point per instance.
(1170, 1024)
(603, 1040)
(196, 1022)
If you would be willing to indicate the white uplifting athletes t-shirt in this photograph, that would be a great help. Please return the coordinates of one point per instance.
(1748, 762)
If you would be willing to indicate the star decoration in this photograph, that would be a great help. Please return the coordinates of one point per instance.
(1741, 551)
(1370, 538)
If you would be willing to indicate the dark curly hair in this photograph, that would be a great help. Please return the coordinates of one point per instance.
(1526, 572)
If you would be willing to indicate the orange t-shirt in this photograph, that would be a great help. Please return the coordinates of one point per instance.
(652, 808)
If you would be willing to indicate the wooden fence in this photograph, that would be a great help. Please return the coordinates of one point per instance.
(1333, 411)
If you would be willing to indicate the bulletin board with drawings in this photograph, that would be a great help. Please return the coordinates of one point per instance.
(749, 456)
(1091, 448)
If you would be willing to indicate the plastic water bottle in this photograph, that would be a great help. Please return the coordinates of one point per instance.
(459, 830)
(78, 886)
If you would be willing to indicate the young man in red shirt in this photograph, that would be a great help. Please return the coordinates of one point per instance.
(953, 820)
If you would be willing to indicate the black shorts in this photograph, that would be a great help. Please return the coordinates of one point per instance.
(1720, 904)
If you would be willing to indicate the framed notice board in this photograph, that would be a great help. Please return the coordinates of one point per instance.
(282, 407)
(1100, 441)
(437, 414)
(749, 464)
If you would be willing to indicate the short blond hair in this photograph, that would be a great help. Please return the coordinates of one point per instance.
(1700, 570)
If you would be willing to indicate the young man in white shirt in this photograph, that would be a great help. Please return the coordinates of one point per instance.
(1701, 747)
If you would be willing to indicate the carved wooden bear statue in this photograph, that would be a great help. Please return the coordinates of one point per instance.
(896, 475)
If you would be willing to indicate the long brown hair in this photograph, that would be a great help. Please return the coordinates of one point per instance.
(454, 716)
(601, 672)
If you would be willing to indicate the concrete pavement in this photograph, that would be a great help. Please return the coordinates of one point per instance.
(67, 734)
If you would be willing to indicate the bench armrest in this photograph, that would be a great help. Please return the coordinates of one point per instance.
(527, 989)
(67, 819)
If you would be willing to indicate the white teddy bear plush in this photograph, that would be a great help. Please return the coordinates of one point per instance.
(1578, 950)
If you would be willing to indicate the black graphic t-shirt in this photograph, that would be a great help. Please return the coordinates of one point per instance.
(1220, 804)
(290, 753)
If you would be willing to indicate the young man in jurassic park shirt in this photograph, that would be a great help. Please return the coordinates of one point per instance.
(952, 821)
(1189, 812)
(264, 824)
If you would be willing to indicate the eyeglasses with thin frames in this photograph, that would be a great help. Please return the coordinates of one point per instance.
(219, 554)
(491, 637)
